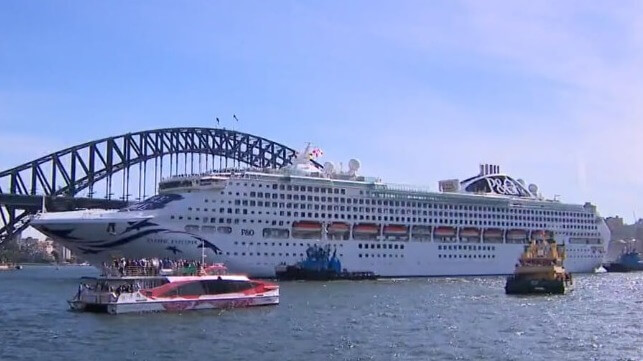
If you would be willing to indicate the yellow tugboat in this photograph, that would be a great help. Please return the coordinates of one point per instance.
(540, 270)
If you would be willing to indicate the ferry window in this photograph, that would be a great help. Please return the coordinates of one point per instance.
(192, 288)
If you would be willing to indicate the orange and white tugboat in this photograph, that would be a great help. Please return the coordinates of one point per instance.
(152, 286)
(540, 270)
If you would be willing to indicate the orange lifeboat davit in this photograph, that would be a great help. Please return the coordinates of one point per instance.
(395, 229)
(470, 232)
(444, 231)
(366, 228)
(492, 233)
(306, 226)
(338, 227)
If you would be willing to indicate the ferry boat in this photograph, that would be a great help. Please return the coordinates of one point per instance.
(540, 270)
(141, 292)
(256, 219)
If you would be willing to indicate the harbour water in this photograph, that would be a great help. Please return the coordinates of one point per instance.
(417, 319)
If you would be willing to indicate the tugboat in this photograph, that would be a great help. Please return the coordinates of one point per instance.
(540, 270)
(630, 260)
(319, 265)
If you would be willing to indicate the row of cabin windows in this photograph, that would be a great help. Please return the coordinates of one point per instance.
(266, 254)
(379, 246)
(302, 188)
(451, 220)
(316, 206)
(468, 247)
(368, 201)
(594, 255)
(466, 256)
(287, 244)
(380, 255)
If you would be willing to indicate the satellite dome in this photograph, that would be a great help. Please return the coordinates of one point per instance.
(533, 188)
(329, 167)
(521, 181)
(353, 165)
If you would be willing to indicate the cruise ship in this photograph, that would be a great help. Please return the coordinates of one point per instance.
(257, 219)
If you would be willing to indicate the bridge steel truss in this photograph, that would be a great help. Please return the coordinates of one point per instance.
(59, 178)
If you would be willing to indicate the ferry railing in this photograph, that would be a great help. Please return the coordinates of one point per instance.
(149, 271)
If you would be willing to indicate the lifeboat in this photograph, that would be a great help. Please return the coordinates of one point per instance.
(444, 231)
(366, 228)
(517, 234)
(538, 234)
(470, 232)
(492, 233)
(306, 226)
(338, 227)
(395, 229)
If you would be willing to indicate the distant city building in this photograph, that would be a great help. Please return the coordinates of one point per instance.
(64, 254)
(624, 236)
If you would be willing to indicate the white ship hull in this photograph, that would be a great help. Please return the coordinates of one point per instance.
(258, 257)
(256, 220)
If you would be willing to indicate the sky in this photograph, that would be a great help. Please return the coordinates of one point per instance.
(418, 91)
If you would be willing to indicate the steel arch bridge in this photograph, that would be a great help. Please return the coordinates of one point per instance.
(71, 178)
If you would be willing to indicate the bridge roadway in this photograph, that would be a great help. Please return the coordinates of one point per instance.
(59, 204)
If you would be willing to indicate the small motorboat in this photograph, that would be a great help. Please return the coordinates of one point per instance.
(211, 288)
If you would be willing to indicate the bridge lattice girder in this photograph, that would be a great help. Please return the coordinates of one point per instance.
(70, 171)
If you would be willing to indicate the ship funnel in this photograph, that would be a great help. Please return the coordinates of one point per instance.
(486, 169)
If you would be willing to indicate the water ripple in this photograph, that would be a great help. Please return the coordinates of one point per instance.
(410, 319)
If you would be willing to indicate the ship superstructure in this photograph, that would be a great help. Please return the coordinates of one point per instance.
(255, 219)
